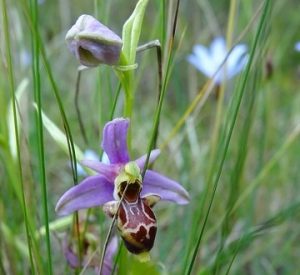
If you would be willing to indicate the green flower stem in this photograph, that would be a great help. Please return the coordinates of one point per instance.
(126, 78)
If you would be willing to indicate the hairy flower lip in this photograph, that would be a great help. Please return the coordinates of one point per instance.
(99, 189)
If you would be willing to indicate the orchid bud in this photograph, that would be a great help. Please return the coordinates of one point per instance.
(92, 43)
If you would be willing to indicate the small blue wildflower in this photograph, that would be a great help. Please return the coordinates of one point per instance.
(208, 60)
(88, 155)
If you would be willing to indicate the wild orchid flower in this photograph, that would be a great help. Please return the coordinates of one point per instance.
(92, 43)
(208, 60)
(135, 218)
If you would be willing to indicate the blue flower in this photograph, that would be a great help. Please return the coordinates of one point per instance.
(88, 155)
(297, 46)
(208, 60)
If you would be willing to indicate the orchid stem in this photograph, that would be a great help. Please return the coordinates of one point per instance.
(155, 44)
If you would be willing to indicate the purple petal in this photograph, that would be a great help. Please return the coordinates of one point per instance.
(93, 43)
(91, 53)
(70, 256)
(93, 191)
(153, 156)
(115, 140)
(109, 171)
(167, 189)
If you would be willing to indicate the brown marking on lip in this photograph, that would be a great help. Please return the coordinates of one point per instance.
(137, 225)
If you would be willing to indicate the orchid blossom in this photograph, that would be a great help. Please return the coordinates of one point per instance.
(136, 221)
(92, 43)
(208, 60)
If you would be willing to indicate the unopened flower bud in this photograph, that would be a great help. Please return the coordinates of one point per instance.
(93, 43)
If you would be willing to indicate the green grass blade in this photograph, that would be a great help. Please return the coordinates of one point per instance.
(231, 124)
(39, 127)
(12, 91)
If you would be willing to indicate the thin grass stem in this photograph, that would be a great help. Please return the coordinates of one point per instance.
(19, 164)
(164, 88)
(110, 230)
(39, 126)
(76, 103)
(231, 125)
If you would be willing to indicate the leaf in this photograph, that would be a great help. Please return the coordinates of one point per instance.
(58, 136)
(132, 30)
(10, 118)
(59, 224)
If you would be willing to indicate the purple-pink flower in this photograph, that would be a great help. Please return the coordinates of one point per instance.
(136, 221)
(92, 43)
(91, 256)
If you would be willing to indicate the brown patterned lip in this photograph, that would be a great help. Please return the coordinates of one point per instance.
(137, 225)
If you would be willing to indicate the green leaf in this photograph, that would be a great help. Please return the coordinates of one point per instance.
(10, 118)
(58, 136)
(59, 224)
(132, 30)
